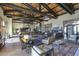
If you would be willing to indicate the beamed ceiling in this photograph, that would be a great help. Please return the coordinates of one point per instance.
(35, 12)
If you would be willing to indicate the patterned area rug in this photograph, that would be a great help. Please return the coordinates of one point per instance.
(66, 49)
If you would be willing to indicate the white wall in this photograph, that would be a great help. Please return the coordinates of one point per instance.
(17, 25)
(60, 19)
(55, 22)
(21, 25)
(9, 26)
(8, 22)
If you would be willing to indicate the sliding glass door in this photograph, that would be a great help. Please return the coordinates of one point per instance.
(71, 31)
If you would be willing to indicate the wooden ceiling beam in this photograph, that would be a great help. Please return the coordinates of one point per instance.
(20, 10)
(15, 7)
(22, 17)
(49, 9)
(43, 8)
(12, 11)
(22, 22)
(71, 7)
(40, 7)
(30, 18)
(32, 8)
(8, 13)
(29, 22)
(36, 10)
(9, 5)
(66, 7)
(13, 15)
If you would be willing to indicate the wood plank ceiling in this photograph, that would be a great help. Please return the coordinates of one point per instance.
(35, 12)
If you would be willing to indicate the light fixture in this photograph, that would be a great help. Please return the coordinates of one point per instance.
(46, 18)
(2, 23)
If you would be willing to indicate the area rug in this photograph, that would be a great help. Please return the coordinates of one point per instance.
(67, 49)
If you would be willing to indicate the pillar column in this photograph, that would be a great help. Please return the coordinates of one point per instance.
(40, 25)
(9, 26)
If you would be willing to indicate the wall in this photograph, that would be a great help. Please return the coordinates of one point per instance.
(17, 25)
(9, 26)
(55, 22)
(60, 19)
(21, 25)
(8, 22)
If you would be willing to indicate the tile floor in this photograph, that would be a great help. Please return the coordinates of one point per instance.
(14, 49)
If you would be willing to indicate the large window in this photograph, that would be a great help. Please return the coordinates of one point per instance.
(71, 29)
(76, 26)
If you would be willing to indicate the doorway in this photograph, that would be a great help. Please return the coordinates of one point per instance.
(71, 31)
